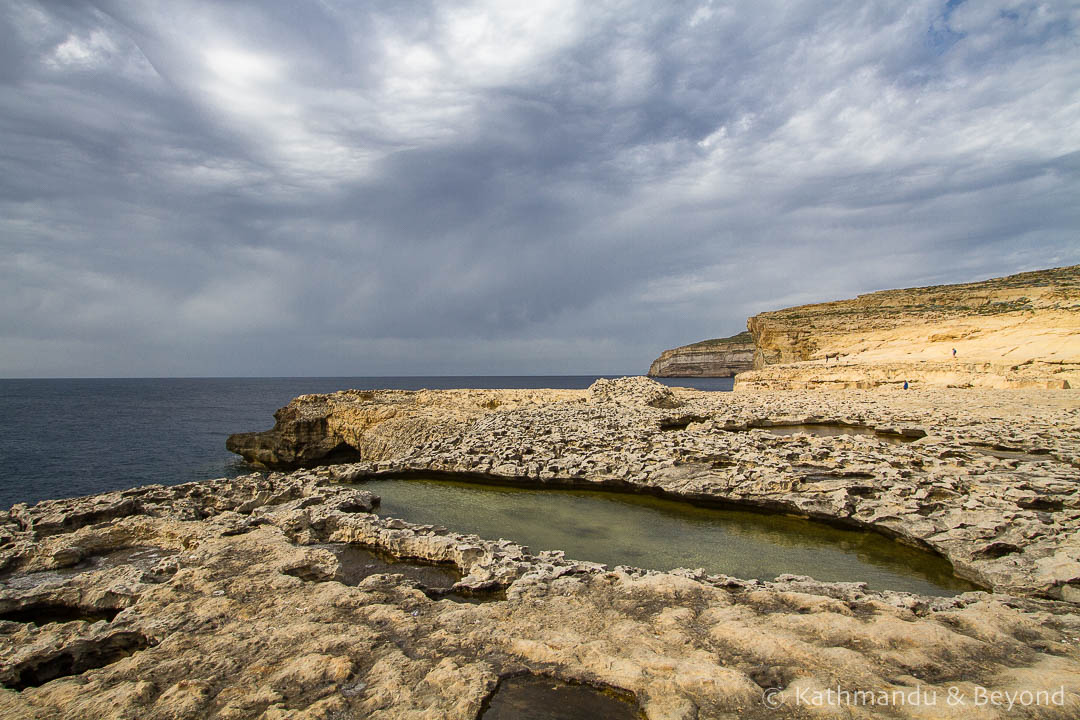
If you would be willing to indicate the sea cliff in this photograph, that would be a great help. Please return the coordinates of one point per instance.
(722, 357)
(1011, 332)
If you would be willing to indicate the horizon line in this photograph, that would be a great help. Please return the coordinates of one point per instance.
(309, 377)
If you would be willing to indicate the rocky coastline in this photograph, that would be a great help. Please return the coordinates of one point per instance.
(1019, 331)
(723, 357)
(238, 606)
(988, 481)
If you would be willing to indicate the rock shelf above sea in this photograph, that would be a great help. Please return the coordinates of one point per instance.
(1007, 521)
(242, 615)
(227, 600)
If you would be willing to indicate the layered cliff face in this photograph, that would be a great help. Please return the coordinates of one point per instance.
(723, 357)
(1017, 331)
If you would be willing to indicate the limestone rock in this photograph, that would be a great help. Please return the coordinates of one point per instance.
(632, 391)
(991, 484)
(363, 424)
(723, 357)
(238, 630)
(1017, 331)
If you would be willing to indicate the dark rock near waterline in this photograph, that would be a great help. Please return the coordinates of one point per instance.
(301, 437)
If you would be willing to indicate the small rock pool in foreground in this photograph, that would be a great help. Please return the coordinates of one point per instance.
(648, 532)
(532, 697)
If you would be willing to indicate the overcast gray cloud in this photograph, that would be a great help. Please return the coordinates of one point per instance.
(312, 187)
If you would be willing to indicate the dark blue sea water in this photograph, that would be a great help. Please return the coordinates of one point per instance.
(63, 438)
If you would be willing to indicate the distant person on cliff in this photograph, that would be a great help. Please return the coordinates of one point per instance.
(905, 384)
(954, 352)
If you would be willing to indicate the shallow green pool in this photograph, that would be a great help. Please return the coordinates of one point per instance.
(647, 532)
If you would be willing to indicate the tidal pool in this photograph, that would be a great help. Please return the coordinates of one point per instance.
(1021, 455)
(532, 697)
(836, 430)
(356, 562)
(653, 533)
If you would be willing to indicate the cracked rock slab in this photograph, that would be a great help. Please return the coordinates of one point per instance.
(228, 632)
(989, 479)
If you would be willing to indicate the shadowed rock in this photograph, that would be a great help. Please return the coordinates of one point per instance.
(533, 697)
(74, 659)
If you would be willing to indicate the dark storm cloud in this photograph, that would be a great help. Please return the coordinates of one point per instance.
(324, 187)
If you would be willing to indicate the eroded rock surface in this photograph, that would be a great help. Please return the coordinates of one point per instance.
(354, 424)
(225, 627)
(230, 599)
(1008, 521)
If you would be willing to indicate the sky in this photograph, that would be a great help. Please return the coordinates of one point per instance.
(330, 187)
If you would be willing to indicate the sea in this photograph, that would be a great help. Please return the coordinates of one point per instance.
(72, 437)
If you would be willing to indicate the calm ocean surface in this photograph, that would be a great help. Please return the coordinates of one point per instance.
(63, 438)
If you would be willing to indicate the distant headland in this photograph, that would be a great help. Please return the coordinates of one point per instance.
(1017, 331)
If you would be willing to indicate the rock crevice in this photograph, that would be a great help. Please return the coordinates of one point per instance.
(229, 635)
